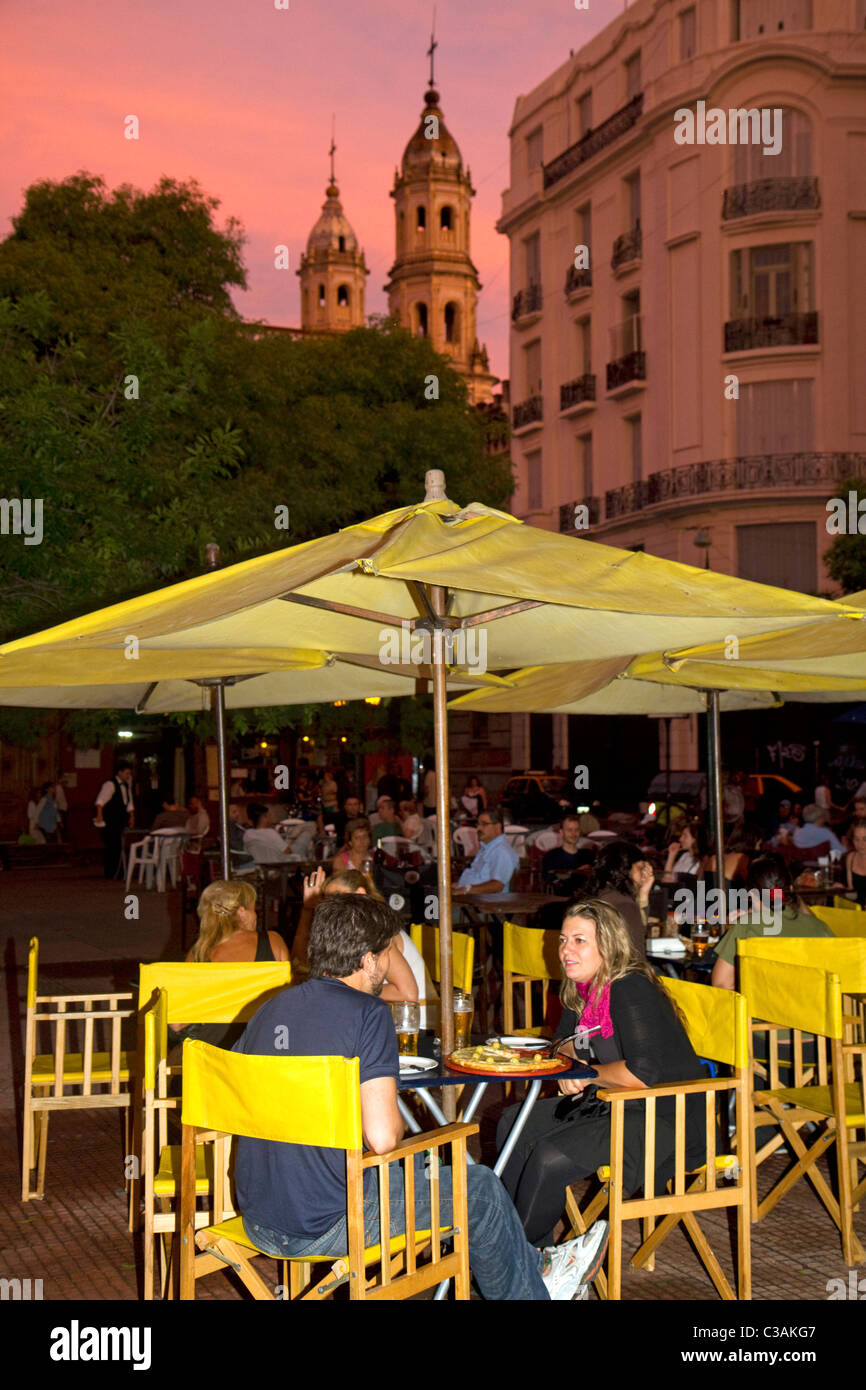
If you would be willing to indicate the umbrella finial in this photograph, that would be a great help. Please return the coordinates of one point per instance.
(434, 482)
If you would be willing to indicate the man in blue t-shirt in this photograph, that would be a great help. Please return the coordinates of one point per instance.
(293, 1197)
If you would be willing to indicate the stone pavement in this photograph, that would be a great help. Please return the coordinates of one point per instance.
(76, 1240)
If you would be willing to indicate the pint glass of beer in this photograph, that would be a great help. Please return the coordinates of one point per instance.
(463, 1011)
(700, 938)
(407, 1022)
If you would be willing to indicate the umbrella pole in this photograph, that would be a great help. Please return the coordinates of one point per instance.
(715, 790)
(219, 705)
(437, 597)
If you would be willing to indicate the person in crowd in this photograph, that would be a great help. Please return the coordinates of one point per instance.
(589, 825)
(229, 931)
(824, 799)
(428, 787)
(474, 798)
(855, 861)
(815, 830)
(262, 841)
(351, 810)
(640, 1042)
(115, 812)
(358, 849)
(495, 864)
(242, 860)
(171, 817)
(371, 790)
(623, 878)
(292, 1198)
(734, 799)
(780, 822)
(47, 816)
(197, 822)
(385, 821)
(62, 805)
(568, 857)
(410, 820)
(736, 864)
(393, 784)
(329, 794)
(767, 874)
(687, 852)
(33, 830)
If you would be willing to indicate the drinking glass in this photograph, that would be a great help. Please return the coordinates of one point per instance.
(700, 938)
(463, 1011)
(407, 1022)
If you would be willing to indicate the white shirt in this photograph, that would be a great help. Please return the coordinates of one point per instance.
(822, 797)
(415, 962)
(265, 845)
(199, 824)
(106, 792)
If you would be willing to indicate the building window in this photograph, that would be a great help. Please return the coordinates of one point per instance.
(584, 464)
(532, 251)
(794, 159)
(342, 243)
(421, 217)
(535, 497)
(635, 447)
(343, 296)
(781, 553)
(632, 193)
(421, 320)
(584, 114)
(627, 335)
(322, 299)
(751, 19)
(451, 334)
(584, 345)
(769, 282)
(480, 728)
(446, 219)
(632, 76)
(532, 368)
(688, 34)
(776, 417)
(534, 149)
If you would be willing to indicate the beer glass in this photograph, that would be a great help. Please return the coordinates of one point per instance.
(463, 1011)
(407, 1022)
(700, 938)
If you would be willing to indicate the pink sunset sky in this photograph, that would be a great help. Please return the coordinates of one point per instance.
(239, 95)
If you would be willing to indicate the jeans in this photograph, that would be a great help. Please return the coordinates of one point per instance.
(504, 1264)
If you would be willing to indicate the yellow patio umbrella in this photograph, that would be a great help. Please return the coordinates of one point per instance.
(471, 590)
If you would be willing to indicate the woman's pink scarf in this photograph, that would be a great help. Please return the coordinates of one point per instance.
(596, 1011)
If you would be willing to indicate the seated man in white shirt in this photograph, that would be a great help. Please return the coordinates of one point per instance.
(198, 820)
(265, 844)
(814, 830)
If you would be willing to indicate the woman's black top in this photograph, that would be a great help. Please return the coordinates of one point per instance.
(858, 883)
(649, 1037)
(226, 1034)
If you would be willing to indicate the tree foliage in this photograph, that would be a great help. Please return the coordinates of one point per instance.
(845, 559)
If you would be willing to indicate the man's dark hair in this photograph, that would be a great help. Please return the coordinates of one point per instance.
(255, 811)
(345, 927)
(122, 766)
(770, 871)
(570, 815)
(613, 867)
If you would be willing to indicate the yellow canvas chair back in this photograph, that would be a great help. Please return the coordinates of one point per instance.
(73, 1076)
(315, 1101)
(807, 999)
(528, 955)
(845, 904)
(842, 922)
(218, 992)
(844, 957)
(716, 1021)
(426, 938)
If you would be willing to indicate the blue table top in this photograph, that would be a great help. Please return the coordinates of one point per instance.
(419, 1080)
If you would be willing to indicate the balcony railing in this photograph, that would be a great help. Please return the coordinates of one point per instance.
(748, 472)
(791, 330)
(526, 301)
(577, 279)
(622, 370)
(577, 392)
(770, 195)
(568, 513)
(527, 412)
(626, 247)
(594, 140)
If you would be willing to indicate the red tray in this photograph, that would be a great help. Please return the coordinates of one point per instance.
(553, 1067)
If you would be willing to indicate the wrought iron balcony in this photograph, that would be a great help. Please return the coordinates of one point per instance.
(527, 412)
(577, 392)
(577, 279)
(791, 330)
(627, 247)
(622, 370)
(526, 302)
(568, 513)
(747, 472)
(594, 140)
(770, 195)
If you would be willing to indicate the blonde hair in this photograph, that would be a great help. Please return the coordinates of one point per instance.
(218, 914)
(351, 881)
(614, 947)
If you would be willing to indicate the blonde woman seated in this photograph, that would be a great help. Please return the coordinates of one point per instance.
(640, 1042)
(407, 975)
(228, 931)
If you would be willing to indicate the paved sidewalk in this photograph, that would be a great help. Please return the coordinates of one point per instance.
(76, 1240)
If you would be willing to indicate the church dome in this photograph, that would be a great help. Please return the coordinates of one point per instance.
(424, 153)
(332, 231)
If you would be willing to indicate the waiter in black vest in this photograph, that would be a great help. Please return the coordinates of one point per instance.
(115, 810)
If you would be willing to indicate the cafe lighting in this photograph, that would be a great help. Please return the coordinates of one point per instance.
(651, 809)
(339, 703)
(344, 739)
(306, 738)
(124, 733)
(263, 743)
(373, 700)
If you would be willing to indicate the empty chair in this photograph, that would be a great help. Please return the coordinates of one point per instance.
(466, 840)
(516, 836)
(143, 855)
(168, 845)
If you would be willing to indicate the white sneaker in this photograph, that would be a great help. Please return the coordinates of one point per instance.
(575, 1263)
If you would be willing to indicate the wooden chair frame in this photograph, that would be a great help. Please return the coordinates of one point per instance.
(65, 1080)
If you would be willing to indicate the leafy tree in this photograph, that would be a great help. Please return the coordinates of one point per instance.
(845, 559)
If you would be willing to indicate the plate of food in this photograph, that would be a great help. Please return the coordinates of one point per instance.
(527, 1044)
(494, 1059)
(410, 1064)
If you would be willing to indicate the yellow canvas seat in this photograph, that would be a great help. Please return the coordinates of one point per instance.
(167, 1177)
(528, 956)
(426, 938)
(808, 1000)
(62, 1079)
(316, 1101)
(715, 1020)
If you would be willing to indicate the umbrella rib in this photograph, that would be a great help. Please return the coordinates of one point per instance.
(348, 609)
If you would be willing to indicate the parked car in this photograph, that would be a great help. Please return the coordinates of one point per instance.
(537, 797)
